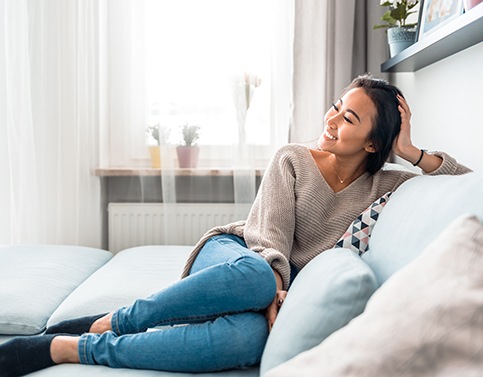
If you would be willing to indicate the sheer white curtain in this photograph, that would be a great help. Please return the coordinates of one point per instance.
(188, 61)
(80, 81)
(49, 127)
(169, 63)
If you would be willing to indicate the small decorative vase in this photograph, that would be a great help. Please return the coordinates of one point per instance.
(400, 38)
(155, 153)
(187, 156)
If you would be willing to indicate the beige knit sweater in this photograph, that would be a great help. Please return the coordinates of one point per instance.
(296, 215)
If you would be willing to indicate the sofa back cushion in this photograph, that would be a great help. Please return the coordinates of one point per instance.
(416, 213)
(132, 273)
(35, 279)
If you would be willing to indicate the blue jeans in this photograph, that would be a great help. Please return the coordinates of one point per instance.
(213, 318)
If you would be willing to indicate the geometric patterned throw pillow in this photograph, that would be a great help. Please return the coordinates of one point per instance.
(357, 235)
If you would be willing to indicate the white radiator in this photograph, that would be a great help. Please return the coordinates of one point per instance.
(137, 224)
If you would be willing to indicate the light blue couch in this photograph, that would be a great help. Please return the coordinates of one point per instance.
(42, 285)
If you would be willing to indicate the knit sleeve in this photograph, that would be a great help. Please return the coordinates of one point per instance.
(270, 225)
(449, 166)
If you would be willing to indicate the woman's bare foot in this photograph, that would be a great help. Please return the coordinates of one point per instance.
(102, 325)
(75, 326)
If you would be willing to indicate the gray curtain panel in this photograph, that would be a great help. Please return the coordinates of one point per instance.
(333, 42)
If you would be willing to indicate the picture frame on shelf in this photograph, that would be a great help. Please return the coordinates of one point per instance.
(469, 4)
(420, 14)
(436, 13)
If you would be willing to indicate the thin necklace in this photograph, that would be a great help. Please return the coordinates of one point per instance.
(338, 176)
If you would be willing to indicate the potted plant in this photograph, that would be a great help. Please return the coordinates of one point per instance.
(156, 137)
(188, 151)
(400, 33)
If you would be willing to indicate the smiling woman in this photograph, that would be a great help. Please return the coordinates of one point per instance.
(238, 275)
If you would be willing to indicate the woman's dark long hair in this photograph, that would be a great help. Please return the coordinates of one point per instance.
(387, 123)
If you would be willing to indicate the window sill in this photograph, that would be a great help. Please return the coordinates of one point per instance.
(154, 172)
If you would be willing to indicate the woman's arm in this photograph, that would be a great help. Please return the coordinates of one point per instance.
(404, 148)
(427, 162)
(271, 223)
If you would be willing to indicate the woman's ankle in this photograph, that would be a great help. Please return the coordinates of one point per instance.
(64, 349)
(102, 324)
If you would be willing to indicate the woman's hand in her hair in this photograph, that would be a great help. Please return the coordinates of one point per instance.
(402, 142)
(272, 310)
(403, 146)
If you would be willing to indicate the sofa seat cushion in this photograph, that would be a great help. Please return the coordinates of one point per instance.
(132, 273)
(35, 279)
(6, 338)
(76, 370)
(417, 212)
(425, 320)
(327, 293)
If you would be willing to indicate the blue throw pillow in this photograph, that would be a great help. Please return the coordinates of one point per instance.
(326, 295)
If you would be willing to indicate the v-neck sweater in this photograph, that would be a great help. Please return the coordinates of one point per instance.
(296, 215)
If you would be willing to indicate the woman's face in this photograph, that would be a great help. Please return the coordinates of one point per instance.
(348, 124)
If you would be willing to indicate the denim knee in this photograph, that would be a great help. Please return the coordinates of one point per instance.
(258, 277)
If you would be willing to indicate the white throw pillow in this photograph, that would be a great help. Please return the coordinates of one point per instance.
(426, 320)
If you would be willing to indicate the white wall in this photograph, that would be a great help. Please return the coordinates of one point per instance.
(4, 155)
(446, 100)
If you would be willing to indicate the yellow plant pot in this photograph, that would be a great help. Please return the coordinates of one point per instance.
(155, 153)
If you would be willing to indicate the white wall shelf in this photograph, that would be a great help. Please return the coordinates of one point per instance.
(457, 35)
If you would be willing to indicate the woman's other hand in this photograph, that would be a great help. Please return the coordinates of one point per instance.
(272, 310)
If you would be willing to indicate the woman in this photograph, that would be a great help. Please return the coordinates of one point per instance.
(220, 313)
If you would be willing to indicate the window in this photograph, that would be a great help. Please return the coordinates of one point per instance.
(195, 62)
